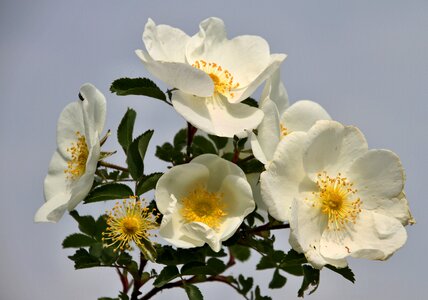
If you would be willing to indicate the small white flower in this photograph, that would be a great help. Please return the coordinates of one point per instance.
(340, 198)
(280, 120)
(204, 201)
(72, 167)
(212, 73)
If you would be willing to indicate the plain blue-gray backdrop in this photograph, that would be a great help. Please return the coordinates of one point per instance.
(365, 61)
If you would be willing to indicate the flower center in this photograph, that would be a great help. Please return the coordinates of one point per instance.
(222, 79)
(128, 222)
(203, 206)
(338, 201)
(79, 155)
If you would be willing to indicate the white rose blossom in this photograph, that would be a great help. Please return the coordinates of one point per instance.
(204, 201)
(340, 198)
(212, 73)
(72, 167)
(280, 119)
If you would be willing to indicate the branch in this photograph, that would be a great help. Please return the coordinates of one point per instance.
(112, 166)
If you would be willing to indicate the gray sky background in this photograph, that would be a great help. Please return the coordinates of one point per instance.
(365, 61)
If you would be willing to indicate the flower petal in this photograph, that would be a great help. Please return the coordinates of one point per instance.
(373, 236)
(332, 147)
(94, 110)
(378, 174)
(275, 91)
(204, 233)
(69, 123)
(164, 42)
(179, 75)
(53, 210)
(216, 115)
(281, 182)
(302, 115)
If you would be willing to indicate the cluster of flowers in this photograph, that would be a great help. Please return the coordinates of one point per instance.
(340, 198)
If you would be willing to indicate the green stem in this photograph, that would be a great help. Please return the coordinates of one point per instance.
(112, 166)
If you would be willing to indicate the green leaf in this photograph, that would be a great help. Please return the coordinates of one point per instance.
(134, 160)
(292, 263)
(241, 253)
(148, 250)
(311, 277)
(251, 102)
(143, 142)
(109, 191)
(278, 281)
(251, 166)
(214, 266)
(345, 272)
(124, 259)
(167, 274)
(202, 145)
(125, 129)
(170, 256)
(193, 292)
(87, 224)
(137, 86)
(148, 182)
(220, 142)
(82, 259)
(78, 240)
(259, 296)
(180, 139)
(246, 284)
(168, 153)
(266, 262)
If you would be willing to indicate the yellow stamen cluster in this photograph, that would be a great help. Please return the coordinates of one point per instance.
(223, 80)
(129, 222)
(79, 155)
(283, 130)
(338, 200)
(205, 207)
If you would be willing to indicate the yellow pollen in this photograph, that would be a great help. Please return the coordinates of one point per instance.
(129, 222)
(222, 79)
(283, 130)
(338, 200)
(205, 207)
(79, 155)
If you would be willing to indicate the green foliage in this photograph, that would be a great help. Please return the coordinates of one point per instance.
(148, 250)
(167, 152)
(251, 102)
(278, 281)
(220, 142)
(167, 274)
(259, 296)
(126, 128)
(345, 272)
(147, 183)
(202, 145)
(245, 284)
(213, 266)
(109, 191)
(193, 292)
(137, 86)
(77, 240)
(311, 278)
(136, 153)
(83, 259)
(241, 253)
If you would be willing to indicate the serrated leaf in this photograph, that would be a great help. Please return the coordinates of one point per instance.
(246, 284)
(241, 253)
(167, 274)
(180, 139)
(220, 142)
(126, 128)
(311, 277)
(170, 256)
(124, 259)
(278, 281)
(193, 292)
(168, 153)
(134, 161)
(259, 296)
(147, 249)
(109, 191)
(251, 102)
(266, 262)
(78, 240)
(345, 272)
(202, 145)
(143, 142)
(214, 266)
(137, 86)
(87, 224)
(148, 183)
(82, 259)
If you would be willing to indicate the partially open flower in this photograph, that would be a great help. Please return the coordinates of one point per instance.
(72, 167)
(212, 73)
(340, 198)
(204, 201)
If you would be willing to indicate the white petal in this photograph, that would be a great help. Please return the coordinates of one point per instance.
(179, 181)
(268, 132)
(373, 236)
(281, 182)
(275, 91)
(216, 115)
(56, 181)
(302, 115)
(254, 181)
(377, 175)
(398, 208)
(69, 123)
(332, 147)
(53, 210)
(307, 224)
(204, 233)
(164, 42)
(94, 109)
(179, 75)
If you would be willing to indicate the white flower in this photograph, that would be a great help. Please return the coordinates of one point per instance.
(280, 120)
(72, 167)
(341, 199)
(204, 201)
(212, 73)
